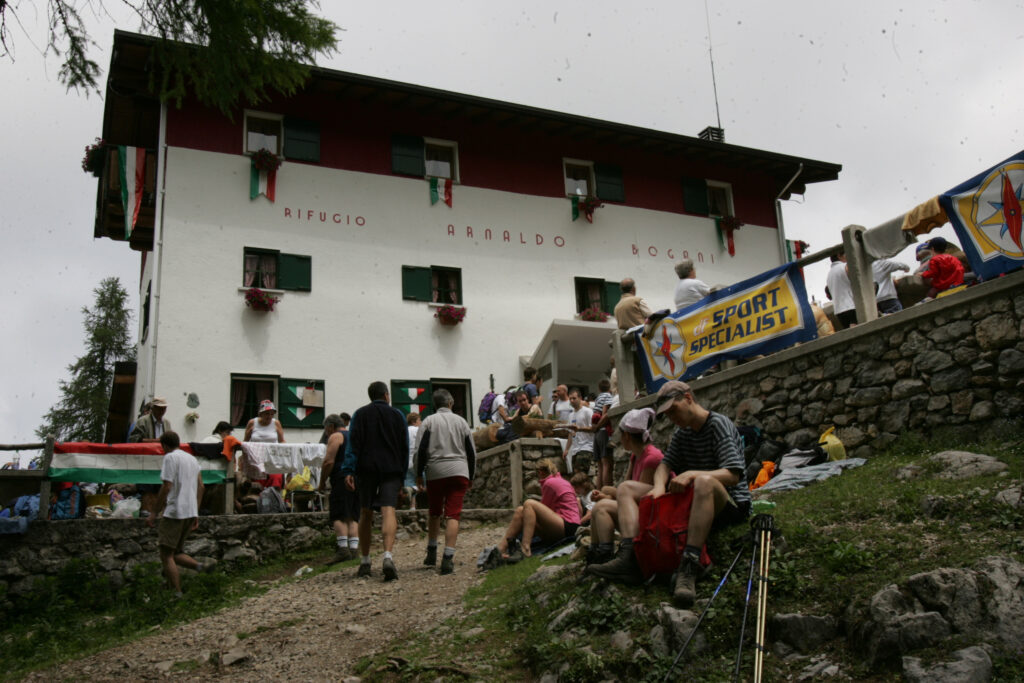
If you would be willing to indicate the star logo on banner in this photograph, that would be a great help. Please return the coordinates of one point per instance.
(992, 212)
(665, 350)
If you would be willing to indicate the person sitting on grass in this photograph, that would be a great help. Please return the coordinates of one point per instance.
(707, 451)
(555, 517)
(583, 485)
(644, 458)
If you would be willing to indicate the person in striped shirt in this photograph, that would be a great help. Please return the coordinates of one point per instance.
(707, 452)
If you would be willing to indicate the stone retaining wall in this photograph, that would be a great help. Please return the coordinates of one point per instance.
(506, 474)
(121, 544)
(958, 360)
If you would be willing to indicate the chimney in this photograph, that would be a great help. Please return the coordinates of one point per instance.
(713, 134)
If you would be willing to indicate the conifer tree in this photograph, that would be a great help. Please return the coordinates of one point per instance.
(81, 412)
(251, 47)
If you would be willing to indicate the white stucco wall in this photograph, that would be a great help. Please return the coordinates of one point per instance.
(354, 327)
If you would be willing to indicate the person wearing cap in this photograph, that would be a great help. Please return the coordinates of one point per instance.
(944, 270)
(707, 452)
(644, 458)
(689, 290)
(265, 428)
(150, 427)
(923, 254)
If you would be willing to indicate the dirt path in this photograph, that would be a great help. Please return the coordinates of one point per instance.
(314, 629)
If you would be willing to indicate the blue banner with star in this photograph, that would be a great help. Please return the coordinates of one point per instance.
(986, 214)
(767, 313)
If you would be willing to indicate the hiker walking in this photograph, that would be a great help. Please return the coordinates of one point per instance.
(380, 455)
(446, 461)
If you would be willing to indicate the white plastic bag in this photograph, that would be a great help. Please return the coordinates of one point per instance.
(129, 507)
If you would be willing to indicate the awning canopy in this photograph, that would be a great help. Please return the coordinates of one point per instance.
(576, 350)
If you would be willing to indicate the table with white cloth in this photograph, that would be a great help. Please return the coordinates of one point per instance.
(260, 459)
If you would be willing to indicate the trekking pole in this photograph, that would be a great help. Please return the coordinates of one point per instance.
(766, 524)
(721, 583)
(746, 604)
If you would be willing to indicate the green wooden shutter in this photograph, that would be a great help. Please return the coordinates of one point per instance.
(608, 179)
(291, 411)
(301, 140)
(407, 155)
(612, 294)
(411, 396)
(695, 196)
(295, 272)
(416, 283)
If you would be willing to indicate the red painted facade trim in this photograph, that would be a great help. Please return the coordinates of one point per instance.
(356, 136)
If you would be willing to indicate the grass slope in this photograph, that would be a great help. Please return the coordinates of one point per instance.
(838, 543)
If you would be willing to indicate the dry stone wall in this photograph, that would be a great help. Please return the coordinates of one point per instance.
(496, 484)
(957, 361)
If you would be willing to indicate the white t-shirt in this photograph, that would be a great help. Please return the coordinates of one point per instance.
(690, 291)
(562, 410)
(413, 431)
(582, 441)
(182, 471)
(839, 287)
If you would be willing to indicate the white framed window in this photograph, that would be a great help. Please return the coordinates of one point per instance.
(720, 199)
(262, 131)
(441, 158)
(579, 177)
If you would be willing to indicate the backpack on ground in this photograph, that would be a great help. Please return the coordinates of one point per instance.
(486, 407)
(70, 504)
(270, 502)
(659, 544)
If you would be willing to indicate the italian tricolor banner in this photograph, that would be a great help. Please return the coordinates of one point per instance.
(262, 182)
(795, 249)
(441, 190)
(132, 171)
(122, 463)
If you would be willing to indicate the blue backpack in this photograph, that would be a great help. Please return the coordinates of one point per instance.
(70, 504)
(486, 407)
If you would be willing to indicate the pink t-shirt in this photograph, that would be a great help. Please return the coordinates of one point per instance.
(557, 494)
(650, 458)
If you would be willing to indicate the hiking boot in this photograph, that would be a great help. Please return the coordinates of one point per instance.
(340, 555)
(431, 558)
(515, 556)
(447, 565)
(364, 570)
(390, 572)
(208, 566)
(683, 591)
(623, 569)
(597, 556)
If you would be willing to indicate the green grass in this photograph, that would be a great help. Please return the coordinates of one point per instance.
(836, 544)
(79, 612)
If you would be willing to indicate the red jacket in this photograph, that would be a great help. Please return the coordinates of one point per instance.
(944, 271)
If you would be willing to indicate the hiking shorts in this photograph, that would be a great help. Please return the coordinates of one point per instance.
(378, 490)
(171, 533)
(344, 504)
(446, 495)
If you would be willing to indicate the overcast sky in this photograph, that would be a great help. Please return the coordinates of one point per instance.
(910, 97)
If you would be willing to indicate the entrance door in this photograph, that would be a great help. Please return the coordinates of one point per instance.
(460, 391)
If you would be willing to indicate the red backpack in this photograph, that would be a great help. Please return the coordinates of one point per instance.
(662, 537)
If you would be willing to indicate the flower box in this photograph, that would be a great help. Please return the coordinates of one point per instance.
(450, 315)
(258, 300)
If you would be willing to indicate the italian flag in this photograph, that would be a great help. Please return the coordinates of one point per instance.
(123, 463)
(132, 170)
(575, 201)
(795, 249)
(441, 190)
(262, 182)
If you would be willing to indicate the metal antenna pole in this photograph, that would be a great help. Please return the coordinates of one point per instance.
(711, 57)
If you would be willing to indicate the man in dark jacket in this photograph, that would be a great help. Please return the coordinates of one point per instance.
(379, 457)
